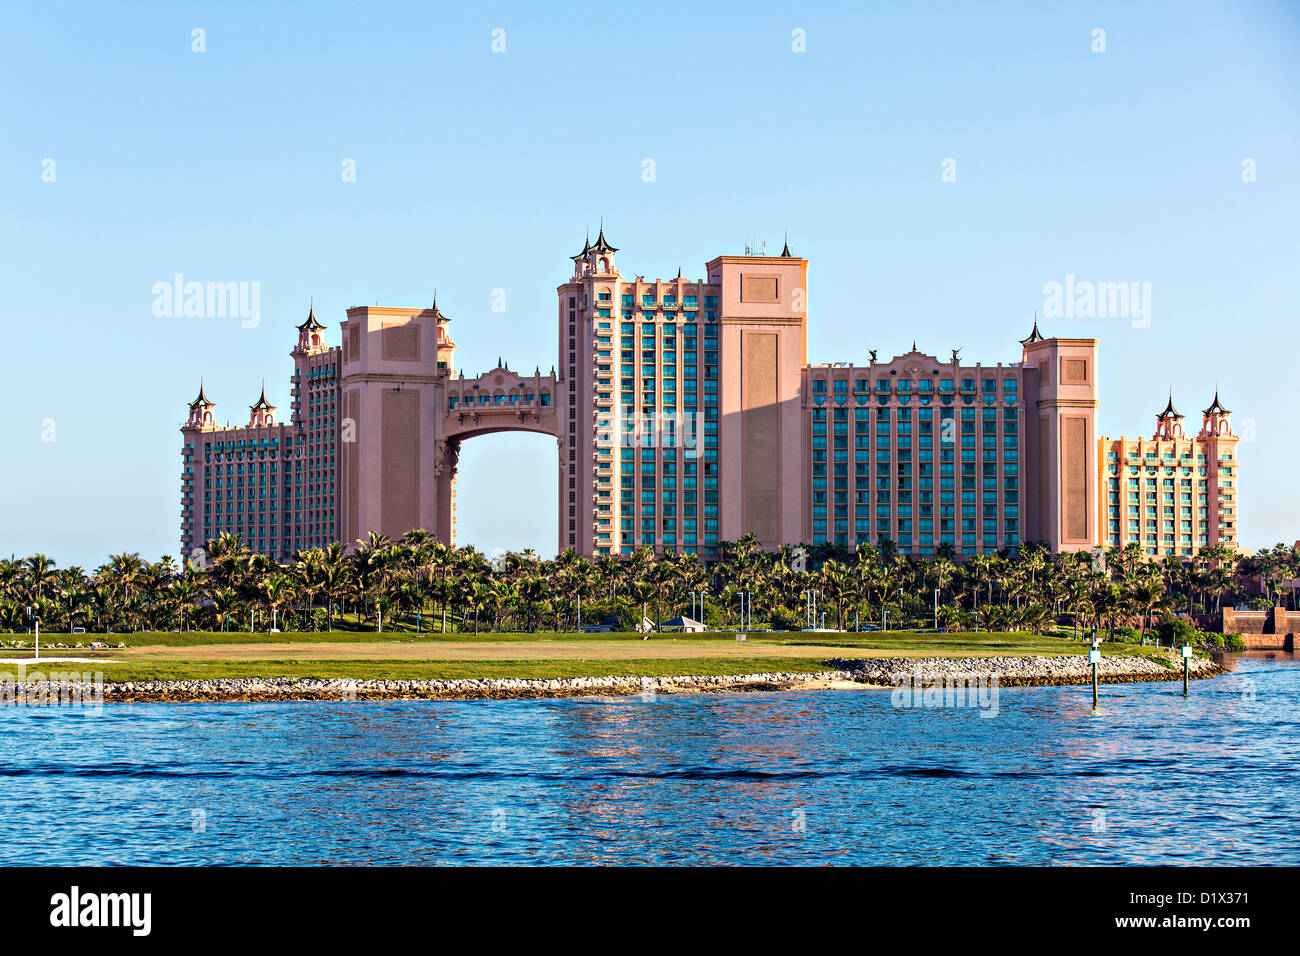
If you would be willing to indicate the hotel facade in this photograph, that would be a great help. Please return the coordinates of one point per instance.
(686, 413)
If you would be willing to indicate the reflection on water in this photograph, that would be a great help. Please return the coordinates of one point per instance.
(811, 778)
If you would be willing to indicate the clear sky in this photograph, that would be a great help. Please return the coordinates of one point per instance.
(479, 170)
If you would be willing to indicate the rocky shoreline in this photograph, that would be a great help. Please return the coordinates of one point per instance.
(873, 672)
(1022, 671)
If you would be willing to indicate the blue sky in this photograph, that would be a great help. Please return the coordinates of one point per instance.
(478, 170)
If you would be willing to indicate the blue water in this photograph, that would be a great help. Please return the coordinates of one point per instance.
(782, 778)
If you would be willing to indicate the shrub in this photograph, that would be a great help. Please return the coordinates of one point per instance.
(1175, 631)
(1234, 642)
(782, 619)
(1128, 635)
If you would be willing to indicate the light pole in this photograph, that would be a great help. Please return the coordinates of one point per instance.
(750, 598)
(31, 613)
(936, 609)
(1094, 657)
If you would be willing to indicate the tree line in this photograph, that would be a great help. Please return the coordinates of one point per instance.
(417, 582)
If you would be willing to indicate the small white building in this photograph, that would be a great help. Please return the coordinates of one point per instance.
(684, 624)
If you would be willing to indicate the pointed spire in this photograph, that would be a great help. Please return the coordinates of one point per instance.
(586, 248)
(913, 345)
(1035, 336)
(785, 250)
(679, 272)
(203, 399)
(1170, 411)
(1216, 407)
(261, 401)
(311, 325)
(602, 244)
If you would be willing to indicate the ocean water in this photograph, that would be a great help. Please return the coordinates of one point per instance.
(826, 777)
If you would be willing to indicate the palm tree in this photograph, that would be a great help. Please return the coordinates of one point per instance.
(479, 596)
(225, 603)
(332, 578)
(1147, 593)
(277, 590)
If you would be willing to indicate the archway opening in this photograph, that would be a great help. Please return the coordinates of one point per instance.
(506, 488)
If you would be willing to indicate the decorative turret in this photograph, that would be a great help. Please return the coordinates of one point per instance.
(201, 411)
(785, 250)
(1169, 423)
(263, 412)
(1034, 334)
(595, 259)
(581, 257)
(438, 312)
(1215, 423)
(309, 333)
(1216, 407)
(603, 246)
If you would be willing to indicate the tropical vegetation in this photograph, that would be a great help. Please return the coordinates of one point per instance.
(417, 583)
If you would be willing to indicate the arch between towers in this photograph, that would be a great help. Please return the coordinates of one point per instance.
(458, 428)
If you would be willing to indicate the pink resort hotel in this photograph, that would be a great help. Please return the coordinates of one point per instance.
(685, 413)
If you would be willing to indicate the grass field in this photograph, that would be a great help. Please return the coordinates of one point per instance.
(349, 654)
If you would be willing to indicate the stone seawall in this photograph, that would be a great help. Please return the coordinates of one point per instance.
(1274, 629)
(271, 689)
(1022, 671)
(873, 672)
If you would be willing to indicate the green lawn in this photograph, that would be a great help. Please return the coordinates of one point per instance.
(984, 642)
(161, 656)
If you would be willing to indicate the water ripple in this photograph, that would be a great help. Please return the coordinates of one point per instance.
(755, 779)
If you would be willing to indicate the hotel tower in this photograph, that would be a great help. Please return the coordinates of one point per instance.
(686, 413)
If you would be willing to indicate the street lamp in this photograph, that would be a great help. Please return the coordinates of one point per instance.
(31, 613)
(936, 609)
